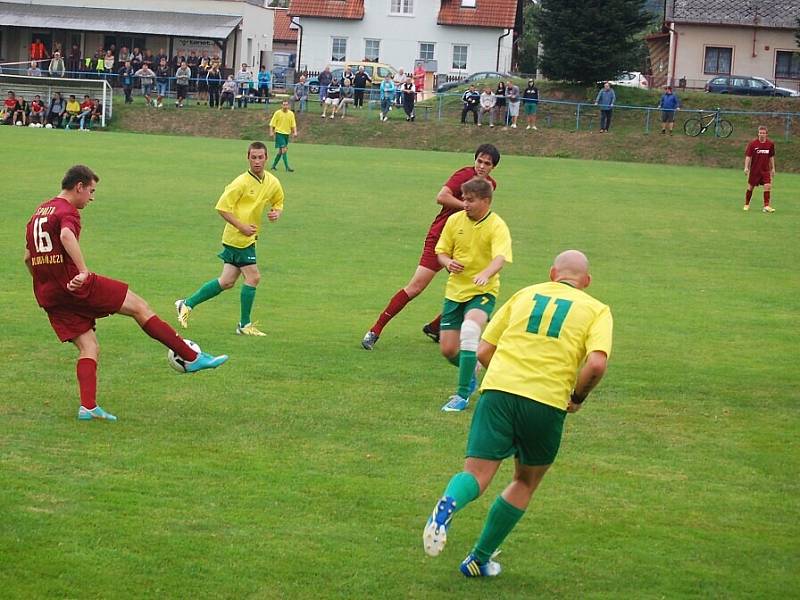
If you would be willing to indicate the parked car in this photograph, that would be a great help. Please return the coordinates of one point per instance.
(747, 86)
(632, 79)
(376, 72)
(475, 78)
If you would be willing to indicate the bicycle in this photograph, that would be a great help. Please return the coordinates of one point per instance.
(699, 125)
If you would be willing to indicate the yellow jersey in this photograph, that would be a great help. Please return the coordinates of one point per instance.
(73, 108)
(245, 197)
(283, 122)
(474, 244)
(543, 334)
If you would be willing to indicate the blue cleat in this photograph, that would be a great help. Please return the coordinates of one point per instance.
(434, 536)
(471, 567)
(473, 385)
(85, 414)
(205, 361)
(456, 403)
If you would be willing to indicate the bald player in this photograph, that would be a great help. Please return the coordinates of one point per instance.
(544, 351)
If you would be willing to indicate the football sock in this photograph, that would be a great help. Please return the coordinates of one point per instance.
(285, 159)
(206, 292)
(160, 331)
(454, 360)
(766, 198)
(466, 369)
(463, 488)
(747, 195)
(396, 304)
(275, 161)
(501, 520)
(434, 325)
(248, 296)
(87, 382)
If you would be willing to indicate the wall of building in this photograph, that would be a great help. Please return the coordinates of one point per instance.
(754, 51)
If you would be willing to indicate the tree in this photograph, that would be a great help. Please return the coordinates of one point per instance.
(589, 40)
(528, 42)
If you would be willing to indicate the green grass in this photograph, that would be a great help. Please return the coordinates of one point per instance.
(306, 467)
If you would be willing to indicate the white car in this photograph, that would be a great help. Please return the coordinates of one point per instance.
(631, 79)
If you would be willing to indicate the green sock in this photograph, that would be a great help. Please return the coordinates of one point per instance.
(466, 369)
(248, 296)
(501, 520)
(463, 488)
(206, 292)
(277, 158)
(453, 360)
(285, 160)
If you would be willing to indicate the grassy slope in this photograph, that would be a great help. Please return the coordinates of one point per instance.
(306, 466)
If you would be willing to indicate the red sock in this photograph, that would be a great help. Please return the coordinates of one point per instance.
(434, 325)
(766, 198)
(159, 330)
(747, 195)
(87, 382)
(396, 304)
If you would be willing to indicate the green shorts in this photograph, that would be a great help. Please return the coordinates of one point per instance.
(506, 425)
(453, 312)
(281, 140)
(238, 257)
(531, 108)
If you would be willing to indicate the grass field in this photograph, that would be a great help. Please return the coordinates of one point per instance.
(306, 467)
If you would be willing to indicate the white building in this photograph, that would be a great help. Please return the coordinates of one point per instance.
(462, 36)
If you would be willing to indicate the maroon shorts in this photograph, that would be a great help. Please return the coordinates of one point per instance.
(428, 258)
(98, 298)
(759, 178)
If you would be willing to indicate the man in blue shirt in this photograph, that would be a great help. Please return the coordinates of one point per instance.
(387, 90)
(264, 82)
(605, 100)
(668, 104)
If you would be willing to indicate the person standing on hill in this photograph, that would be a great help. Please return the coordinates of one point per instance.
(605, 100)
(668, 104)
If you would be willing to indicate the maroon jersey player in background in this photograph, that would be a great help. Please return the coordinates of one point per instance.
(73, 297)
(486, 159)
(759, 166)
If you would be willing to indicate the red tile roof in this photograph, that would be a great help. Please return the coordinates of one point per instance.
(281, 31)
(487, 13)
(330, 9)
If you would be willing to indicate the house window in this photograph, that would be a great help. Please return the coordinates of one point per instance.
(467, 3)
(718, 61)
(787, 65)
(372, 50)
(426, 50)
(402, 7)
(338, 49)
(459, 57)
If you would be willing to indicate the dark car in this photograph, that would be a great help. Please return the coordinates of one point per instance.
(746, 86)
(313, 82)
(475, 78)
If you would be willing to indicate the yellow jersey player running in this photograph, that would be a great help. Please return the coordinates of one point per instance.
(473, 247)
(241, 206)
(544, 351)
(281, 125)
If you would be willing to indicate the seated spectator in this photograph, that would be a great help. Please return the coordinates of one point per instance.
(34, 70)
(97, 112)
(332, 98)
(488, 102)
(347, 92)
(87, 106)
(147, 77)
(243, 81)
(471, 100)
(182, 76)
(56, 110)
(72, 111)
(21, 114)
(213, 82)
(228, 92)
(9, 108)
(409, 91)
(300, 94)
(37, 115)
(57, 68)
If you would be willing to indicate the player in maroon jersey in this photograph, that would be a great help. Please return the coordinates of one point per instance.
(73, 297)
(759, 166)
(486, 159)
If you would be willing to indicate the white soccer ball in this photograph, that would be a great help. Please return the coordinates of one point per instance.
(39, 125)
(18, 123)
(48, 126)
(176, 362)
(31, 124)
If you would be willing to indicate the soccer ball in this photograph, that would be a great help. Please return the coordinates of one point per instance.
(48, 126)
(176, 362)
(18, 123)
(32, 125)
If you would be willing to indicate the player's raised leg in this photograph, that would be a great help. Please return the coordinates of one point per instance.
(207, 291)
(252, 277)
(86, 370)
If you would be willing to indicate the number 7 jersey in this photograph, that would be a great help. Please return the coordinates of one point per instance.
(543, 334)
(52, 266)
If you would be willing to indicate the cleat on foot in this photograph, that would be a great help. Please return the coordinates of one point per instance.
(183, 312)
(456, 404)
(249, 329)
(205, 360)
(470, 567)
(431, 332)
(434, 536)
(369, 340)
(87, 414)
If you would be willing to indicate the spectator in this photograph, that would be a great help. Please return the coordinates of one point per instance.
(178, 59)
(324, 80)
(419, 77)
(37, 111)
(34, 70)
(332, 98)
(108, 63)
(72, 112)
(182, 77)
(147, 78)
(668, 104)
(471, 100)
(348, 75)
(228, 92)
(21, 114)
(487, 105)
(38, 51)
(512, 99)
(243, 80)
(162, 81)
(346, 97)
(214, 83)
(57, 68)
(500, 102)
(162, 54)
(386, 95)
(136, 59)
(605, 99)
(124, 55)
(193, 62)
(399, 80)
(300, 94)
(97, 112)
(530, 97)
(56, 110)
(360, 81)
(264, 82)
(200, 77)
(409, 91)
(74, 61)
(9, 108)
(148, 58)
(99, 63)
(126, 74)
(87, 107)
